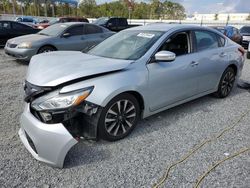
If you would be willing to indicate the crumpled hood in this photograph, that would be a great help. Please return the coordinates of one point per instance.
(55, 68)
(28, 38)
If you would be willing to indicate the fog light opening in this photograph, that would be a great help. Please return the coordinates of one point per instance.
(46, 116)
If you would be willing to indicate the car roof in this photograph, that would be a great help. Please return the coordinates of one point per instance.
(165, 27)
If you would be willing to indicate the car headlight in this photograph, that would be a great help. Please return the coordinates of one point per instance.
(61, 101)
(24, 45)
(40, 27)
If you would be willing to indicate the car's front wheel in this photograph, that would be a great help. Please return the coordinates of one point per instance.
(45, 49)
(119, 117)
(226, 83)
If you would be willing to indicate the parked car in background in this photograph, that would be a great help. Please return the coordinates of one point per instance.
(61, 20)
(245, 32)
(235, 33)
(63, 36)
(43, 21)
(11, 29)
(133, 74)
(28, 20)
(114, 23)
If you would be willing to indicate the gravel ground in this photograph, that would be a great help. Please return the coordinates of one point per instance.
(140, 159)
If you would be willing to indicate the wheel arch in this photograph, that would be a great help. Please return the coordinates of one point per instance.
(234, 67)
(50, 45)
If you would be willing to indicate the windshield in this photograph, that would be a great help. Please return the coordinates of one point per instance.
(53, 30)
(53, 21)
(128, 45)
(101, 21)
(245, 30)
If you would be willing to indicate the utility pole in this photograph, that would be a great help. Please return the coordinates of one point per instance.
(13, 8)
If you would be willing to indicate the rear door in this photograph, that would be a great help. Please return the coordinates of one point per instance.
(212, 58)
(73, 40)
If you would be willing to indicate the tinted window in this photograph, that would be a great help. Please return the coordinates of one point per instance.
(245, 30)
(122, 22)
(5, 25)
(206, 40)
(27, 20)
(19, 26)
(222, 41)
(75, 30)
(177, 44)
(19, 19)
(91, 29)
(112, 21)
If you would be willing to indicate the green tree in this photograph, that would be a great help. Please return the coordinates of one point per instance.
(88, 8)
(173, 11)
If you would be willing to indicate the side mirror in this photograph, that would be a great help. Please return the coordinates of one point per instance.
(66, 35)
(165, 56)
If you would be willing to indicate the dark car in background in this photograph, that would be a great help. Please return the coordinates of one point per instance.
(237, 37)
(114, 23)
(245, 32)
(11, 29)
(61, 20)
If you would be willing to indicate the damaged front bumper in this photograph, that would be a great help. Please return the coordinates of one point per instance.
(48, 143)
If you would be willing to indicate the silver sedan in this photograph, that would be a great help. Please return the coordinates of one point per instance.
(133, 74)
(63, 36)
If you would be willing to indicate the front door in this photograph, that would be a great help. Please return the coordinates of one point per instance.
(170, 82)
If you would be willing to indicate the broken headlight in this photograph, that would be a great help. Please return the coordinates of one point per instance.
(57, 100)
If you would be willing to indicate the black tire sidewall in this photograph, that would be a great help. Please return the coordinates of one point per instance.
(219, 91)
(42, 49)
(248, 55)
(102, 132)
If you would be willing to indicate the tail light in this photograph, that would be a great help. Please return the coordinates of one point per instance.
(241, 50)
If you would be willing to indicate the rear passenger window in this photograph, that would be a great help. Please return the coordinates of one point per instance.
(206, 40)
(92, 29)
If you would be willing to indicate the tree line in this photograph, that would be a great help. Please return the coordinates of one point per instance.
(154, 9)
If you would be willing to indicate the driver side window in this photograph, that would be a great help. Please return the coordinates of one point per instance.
(178, 44)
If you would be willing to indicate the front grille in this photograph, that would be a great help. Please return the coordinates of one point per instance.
(31, 143)
(245, 44)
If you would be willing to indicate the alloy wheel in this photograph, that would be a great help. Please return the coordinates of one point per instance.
(227, 83)
(120, 117)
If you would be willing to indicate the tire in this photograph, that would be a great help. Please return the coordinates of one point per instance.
(226, 83)
(45, 49)
(119, 117)
(248, 55)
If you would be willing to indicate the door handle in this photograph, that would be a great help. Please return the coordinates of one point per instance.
(194, 63)
(223, 54)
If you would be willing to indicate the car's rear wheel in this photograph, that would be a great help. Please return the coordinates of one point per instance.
(119, 117)
(248, 55)
(45, 49)
(226, 83)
